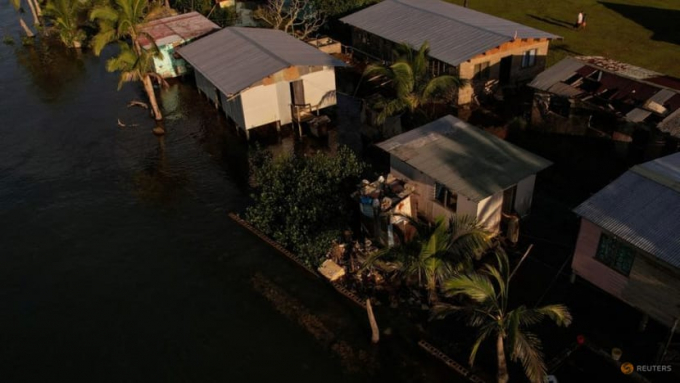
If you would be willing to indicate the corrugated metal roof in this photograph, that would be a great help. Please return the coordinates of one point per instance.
(236, 58)
(556, 74)
(177, 29)
(466, 159)
(455, 33)
(671, 124)
(642, 207)
(637, 115)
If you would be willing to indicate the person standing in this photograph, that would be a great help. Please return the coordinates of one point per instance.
(579, 20)
(583, 21)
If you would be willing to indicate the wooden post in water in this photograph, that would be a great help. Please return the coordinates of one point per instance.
(375, 332)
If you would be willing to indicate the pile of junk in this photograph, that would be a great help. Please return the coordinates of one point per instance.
(385, 205)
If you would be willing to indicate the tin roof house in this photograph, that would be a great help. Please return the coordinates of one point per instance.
(457, 168)
(487, 50)
(169, 33)
(262, 76)
(602, 93)
(629, 242)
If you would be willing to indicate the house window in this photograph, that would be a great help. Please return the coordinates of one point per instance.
(615, 254)
(529, 58)
(445, 196)
(482, 71)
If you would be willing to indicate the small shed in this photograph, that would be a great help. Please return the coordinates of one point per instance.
(262, 76)
(458, 168)
(169, 33)
(628, 244)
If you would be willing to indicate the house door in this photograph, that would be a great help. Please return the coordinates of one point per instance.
(509, 199)
(506, 66)
(297, 92)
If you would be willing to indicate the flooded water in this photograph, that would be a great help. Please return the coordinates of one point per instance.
(118, 262)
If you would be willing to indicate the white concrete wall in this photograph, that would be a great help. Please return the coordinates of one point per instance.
(524, 195)
(260, 106)
(466, 206)
(320, 88)
(284, 101)
(489, 212)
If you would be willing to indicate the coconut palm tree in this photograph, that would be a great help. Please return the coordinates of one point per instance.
(438, 251)
(120, 21)
(64, 14)
(412, 85)
(487, 290)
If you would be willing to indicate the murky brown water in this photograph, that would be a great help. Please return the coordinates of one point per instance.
(118, 262)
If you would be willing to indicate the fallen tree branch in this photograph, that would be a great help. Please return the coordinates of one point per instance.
(138, 103)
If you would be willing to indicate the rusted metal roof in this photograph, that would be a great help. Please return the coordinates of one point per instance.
(176, 30)
(628, 89)
(468, 160)
(236, 58)
(455, 33)
(642, 208)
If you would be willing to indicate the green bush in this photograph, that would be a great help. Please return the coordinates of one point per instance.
(303, 202)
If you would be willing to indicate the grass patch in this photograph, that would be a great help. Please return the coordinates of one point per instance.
(639, 32)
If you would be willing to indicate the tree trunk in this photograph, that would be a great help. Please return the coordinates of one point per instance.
(503, 376)
(28, 31)
(167, 4)
(148, 86)
(36, 20)
(38, 8)
(375, 332)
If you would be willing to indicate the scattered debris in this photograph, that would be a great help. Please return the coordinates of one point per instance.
(331, 270)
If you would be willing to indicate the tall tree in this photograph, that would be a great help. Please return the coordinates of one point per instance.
(300, 18)
(120, 21)
(412, 85)
(487, 291)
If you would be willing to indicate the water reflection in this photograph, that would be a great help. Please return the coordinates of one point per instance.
(53, 69)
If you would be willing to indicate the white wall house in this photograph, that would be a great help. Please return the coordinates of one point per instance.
(460, 169)
(262, 76)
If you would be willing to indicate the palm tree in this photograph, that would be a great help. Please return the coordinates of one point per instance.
(119, 21)
(438, 251)
(64, 14)
(412, 85)
(488, 289)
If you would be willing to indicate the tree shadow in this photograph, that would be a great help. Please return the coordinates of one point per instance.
(662, 22)
(553, 21)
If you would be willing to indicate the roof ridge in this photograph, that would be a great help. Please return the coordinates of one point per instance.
(237, 31)
(656, 177)
(457, 20)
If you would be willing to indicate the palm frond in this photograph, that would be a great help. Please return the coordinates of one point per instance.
(438, 86)
(558, 313)
(474, 286)
(104, 12)
(468, 237)
(486, 330)
(527, 349)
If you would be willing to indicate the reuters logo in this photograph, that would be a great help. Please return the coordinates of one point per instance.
(627, 368)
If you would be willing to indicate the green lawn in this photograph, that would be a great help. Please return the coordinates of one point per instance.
(645, 33)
